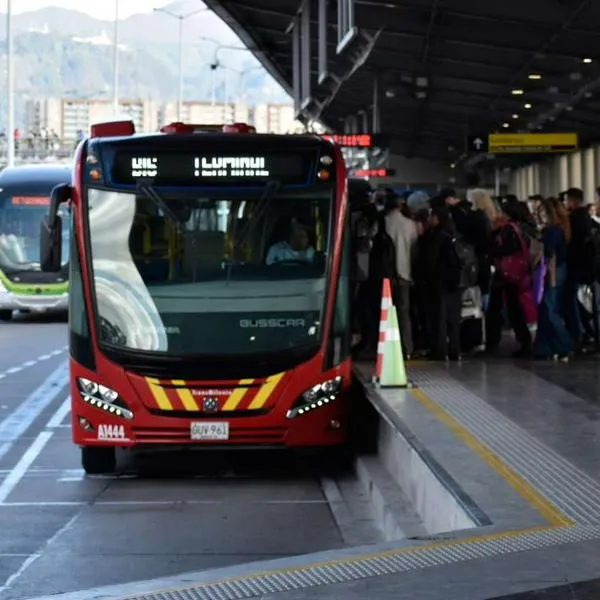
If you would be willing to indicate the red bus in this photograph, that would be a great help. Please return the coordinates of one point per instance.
(209, 299)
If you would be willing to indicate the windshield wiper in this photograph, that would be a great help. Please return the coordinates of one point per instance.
(271, 188)
(146, 189)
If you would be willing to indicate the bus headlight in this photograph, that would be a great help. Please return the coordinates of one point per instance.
(104, 398)
(316, 397)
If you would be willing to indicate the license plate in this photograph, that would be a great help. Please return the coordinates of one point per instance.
(210, 430)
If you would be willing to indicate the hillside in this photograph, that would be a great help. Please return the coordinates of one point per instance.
(61, 52)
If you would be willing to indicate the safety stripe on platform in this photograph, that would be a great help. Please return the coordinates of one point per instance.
(390, 562)
(573, 494)
(520, 485)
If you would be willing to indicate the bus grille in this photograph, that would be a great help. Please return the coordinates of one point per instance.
(171, 435)
(184, 414)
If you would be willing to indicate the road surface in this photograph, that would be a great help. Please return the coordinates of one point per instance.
(62, 531)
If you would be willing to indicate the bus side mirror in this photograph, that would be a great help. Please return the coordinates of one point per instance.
(51, 230)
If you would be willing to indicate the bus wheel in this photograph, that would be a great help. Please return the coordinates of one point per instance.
(98, 461)
(5, 315)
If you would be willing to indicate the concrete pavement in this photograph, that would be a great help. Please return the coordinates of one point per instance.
(62, 532)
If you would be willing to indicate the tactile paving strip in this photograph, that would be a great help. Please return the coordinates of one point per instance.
(387, 563)
(573, 492)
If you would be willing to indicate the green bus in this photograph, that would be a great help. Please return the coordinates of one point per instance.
(24, 200)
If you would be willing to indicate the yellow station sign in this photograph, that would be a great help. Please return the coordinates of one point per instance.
(532, 143)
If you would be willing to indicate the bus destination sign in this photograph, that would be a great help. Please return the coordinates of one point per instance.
(30, 200)
(197, 169)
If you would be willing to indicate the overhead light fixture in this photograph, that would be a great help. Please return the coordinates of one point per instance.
(588, 94)
(505, 125)
(535, 76)
(517, 92)
(528, 106)
(569, 108)
(515, 116)
(587, 61)
(453, 166)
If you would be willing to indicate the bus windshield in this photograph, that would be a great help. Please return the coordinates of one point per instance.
(203, 274)
(20, 218)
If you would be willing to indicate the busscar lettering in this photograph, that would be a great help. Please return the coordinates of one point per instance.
(111, 432)
(271, 323)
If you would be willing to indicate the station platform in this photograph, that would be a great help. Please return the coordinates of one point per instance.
(514, 450)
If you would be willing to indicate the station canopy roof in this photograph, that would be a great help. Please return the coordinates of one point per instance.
(447, 69)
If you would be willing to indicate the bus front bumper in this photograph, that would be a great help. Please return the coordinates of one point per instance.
(10, 301)
(324, 427)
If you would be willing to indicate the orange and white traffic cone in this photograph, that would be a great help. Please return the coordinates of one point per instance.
(390, 370)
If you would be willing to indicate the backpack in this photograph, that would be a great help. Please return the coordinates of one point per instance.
(382, 258)
(591, 250)
(462, 267)
(361, 247)
(513, 269)
(534, 243)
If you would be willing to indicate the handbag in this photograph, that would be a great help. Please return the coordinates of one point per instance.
(515, 268)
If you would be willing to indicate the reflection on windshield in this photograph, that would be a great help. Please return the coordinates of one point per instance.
(206, 275)
(20, 219)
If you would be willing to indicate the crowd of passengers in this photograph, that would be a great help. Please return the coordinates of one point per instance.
(463, 269)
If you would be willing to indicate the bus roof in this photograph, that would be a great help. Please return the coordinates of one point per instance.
(38, 175)
(178, 141)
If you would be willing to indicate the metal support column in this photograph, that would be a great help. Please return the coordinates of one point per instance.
(545, 179)
(589, 175)
(305, 59)
(537, 178)
(347, 31)
(575, 170)
(323, 55)
(530, 185)
(116, 61)
(522, 190)
(180, 73)
(563, 173)
(10, 88)
(296, 65)
(513, 181)
(365, 121)
(376, 105)
(497, 182)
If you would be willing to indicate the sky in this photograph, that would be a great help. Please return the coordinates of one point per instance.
(104, 9)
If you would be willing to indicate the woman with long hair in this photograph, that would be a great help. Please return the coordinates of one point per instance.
(484, 205)
(512, 284)
(553, 339)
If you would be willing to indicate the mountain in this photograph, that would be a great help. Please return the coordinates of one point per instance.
(66, 53)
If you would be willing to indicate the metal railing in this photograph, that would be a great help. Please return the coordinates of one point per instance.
(38, 150)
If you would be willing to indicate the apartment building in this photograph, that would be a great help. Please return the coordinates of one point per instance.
(275, 118)
(204, 112)
(267, 118)
(67, 117)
